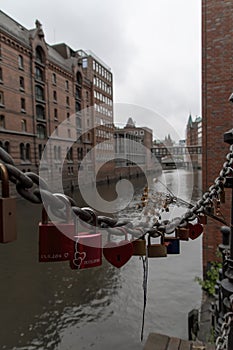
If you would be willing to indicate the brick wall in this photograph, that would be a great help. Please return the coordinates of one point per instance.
(217, 112)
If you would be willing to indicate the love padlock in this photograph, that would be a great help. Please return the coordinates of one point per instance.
(139, 247)
(195, 230)
(55, 240)
(118, 254)
(202, 219)
(8, 231)
(172, 244)
(182, 233)
(87, 246)
(156, 250)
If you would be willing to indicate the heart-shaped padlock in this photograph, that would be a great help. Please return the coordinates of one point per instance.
(195, 230)
(118, 254)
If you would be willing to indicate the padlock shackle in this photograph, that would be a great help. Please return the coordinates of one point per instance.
(5, 181)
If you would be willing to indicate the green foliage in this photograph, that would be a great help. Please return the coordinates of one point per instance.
(208, 284)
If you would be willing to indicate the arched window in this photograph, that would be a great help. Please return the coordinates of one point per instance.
(7, 146)
(55, 152)
(79, 78)
(39, 74)
(20, 61)
(23, 125)
(28, 152)
(59, 152)
(70, 154)
(22, 151)
(40, 112)
(39, 91)
(40, 57)
(54, 79)
(41, 131)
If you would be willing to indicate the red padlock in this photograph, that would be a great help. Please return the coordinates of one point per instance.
(55, 240)
(118, 254)
(195, 230)
(87, 247)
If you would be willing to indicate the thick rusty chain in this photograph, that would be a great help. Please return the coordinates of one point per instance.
(32, 187)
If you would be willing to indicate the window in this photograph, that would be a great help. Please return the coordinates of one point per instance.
(70, 154)
(23, 105)
(80, 153)
(41, 131)
(39, 74)
(39, 91)
(78, 93)
(1, 76)
(93, 65)
(22, 151)
(0, 52)
(55, 96)
(59, 152)
(21, 83)
(55, 152)
(7, 146)
(67, 85)
(69, 133)
(85, 63)
(67, 100)
(2, 122)
(40, 57)
(23, 125)
(40, 112)
(40, 151)
(68, 117)
(1, 98)
(20, 61)
(77, 107)
(55, 114)
(54, 79)
(79, 78)
(28, 151)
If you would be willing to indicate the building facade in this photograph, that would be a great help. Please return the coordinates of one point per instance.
(43, 87)
(194, 138)
(217, 112)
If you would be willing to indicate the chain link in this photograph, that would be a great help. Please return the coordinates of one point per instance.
(221, 342)
(33, 188)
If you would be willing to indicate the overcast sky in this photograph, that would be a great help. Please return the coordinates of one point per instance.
(152, 46)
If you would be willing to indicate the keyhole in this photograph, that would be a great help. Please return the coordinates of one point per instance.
(118, 257)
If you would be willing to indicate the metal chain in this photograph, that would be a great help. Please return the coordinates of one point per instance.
(221, 342)
(32, 187)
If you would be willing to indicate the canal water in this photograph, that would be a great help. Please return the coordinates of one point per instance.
(49, 306)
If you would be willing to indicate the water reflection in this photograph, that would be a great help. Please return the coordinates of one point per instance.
(49, 306)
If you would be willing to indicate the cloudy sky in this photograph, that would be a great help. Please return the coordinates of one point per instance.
(152, 46)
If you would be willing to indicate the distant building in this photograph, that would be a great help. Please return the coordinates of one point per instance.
(133, 146)
(194, 138)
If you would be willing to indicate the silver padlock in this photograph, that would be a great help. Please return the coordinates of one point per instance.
(8, 231)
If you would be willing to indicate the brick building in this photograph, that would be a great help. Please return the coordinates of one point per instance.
(217, 112)
(194, 138)
(42, 86)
